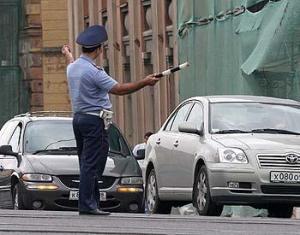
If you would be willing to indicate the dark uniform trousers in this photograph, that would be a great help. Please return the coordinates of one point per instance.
(92, 144)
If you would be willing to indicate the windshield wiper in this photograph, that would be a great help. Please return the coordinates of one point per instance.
(277, 131)
(44, 150)
(61, 149)
(230, 131)
(68, 148)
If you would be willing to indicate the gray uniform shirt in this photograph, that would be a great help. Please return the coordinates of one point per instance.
(88, 86)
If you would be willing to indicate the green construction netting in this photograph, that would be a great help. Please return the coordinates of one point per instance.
(249, 47)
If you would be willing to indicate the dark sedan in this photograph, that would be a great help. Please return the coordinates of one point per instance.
(39, 167)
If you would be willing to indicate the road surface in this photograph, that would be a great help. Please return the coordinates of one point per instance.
(57, 222)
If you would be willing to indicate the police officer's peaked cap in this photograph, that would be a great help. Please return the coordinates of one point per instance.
(92, 36)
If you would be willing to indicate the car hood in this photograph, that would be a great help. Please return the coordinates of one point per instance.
(116, 166)
(259, 141)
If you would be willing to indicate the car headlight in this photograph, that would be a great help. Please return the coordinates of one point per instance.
(132, 180)
(232, 155)
(37, 177)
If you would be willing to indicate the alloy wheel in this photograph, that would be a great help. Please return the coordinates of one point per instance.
(151, 193)
(202, 191)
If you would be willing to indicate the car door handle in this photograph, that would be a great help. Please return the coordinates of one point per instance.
(158, 141)
(176, 143)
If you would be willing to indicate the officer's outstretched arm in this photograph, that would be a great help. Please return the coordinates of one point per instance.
(128, 88)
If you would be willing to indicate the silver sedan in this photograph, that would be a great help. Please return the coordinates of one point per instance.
(226, 150)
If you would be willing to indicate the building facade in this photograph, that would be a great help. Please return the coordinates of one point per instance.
(141, 41)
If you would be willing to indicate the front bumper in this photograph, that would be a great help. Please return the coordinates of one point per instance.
(59, 199)
(254, 187)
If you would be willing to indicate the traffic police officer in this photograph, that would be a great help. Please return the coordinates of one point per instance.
(89, 87)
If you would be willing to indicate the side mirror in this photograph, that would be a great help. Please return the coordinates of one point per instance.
(7, 150)
(189, 127)
(140, 154)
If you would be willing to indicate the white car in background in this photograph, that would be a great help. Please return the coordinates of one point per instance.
(226, 150)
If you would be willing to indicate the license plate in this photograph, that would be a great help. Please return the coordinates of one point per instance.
(74, 195)
(285, 177)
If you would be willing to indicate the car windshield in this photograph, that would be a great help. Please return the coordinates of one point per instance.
(57, 135)
(254, 118)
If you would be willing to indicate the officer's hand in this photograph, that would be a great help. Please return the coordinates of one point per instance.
(66, 50)
(151, 80)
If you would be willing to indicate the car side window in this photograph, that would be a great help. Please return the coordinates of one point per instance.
(15, 139)
(196, 115)
(180, 116)
(116, 141)
(170, 122)
(7, 131)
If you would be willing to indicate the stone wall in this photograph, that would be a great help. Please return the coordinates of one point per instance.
(55, 33)
(31, 54)
(45, 31)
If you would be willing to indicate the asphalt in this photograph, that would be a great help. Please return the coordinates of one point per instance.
(60, 222)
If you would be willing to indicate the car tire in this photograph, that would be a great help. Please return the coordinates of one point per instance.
(16, 200)
(152, 203)
(201, 195)
(280, 211)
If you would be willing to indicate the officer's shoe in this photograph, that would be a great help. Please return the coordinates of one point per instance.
(94, 212)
